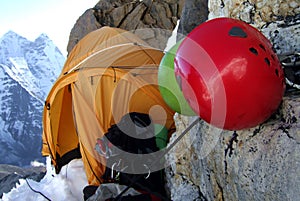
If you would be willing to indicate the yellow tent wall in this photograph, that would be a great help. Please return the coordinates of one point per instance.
(109, 73)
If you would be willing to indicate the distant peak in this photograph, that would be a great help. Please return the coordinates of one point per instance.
(11, 33)
(42, 37)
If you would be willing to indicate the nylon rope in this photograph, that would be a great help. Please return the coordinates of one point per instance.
(35, 191)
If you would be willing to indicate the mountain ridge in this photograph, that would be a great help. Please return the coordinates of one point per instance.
(28, 70)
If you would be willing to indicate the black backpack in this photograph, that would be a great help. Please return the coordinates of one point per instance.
(133, 134)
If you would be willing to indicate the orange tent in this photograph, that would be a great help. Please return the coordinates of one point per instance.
(108, 74)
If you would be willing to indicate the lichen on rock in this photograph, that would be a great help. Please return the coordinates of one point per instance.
(260, 163)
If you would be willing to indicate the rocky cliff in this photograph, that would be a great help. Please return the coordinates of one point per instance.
(160, 16)
(261, 163)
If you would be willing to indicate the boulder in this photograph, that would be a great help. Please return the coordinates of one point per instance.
(194, 13)
(153, 21)
(85, 24)
(260, 163)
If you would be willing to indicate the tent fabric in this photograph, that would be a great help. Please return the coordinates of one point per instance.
(108, 74)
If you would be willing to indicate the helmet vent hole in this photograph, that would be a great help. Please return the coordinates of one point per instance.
(267, 61)
(262, 47)
(253, 50)
(237, 32)
(276, 72)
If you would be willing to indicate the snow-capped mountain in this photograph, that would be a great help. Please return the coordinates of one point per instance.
(28, 70)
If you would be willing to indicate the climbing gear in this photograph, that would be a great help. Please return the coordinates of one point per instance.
(291, 66)
(194, 122)
(135, 134)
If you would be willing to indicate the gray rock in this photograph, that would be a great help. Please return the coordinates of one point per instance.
(194, 13)
(10, 176)
(157, 17)
(85, 24)
(260, 163)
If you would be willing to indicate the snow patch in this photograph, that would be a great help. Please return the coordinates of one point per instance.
(20, 72)
(67, 185)
(172, 40)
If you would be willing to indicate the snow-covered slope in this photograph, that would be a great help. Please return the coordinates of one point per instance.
(28, 70)
(67, 185)
(34, 65)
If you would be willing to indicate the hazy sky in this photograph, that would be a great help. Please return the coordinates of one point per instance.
(30, 18)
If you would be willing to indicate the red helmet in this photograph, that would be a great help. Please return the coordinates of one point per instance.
(229, 74)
